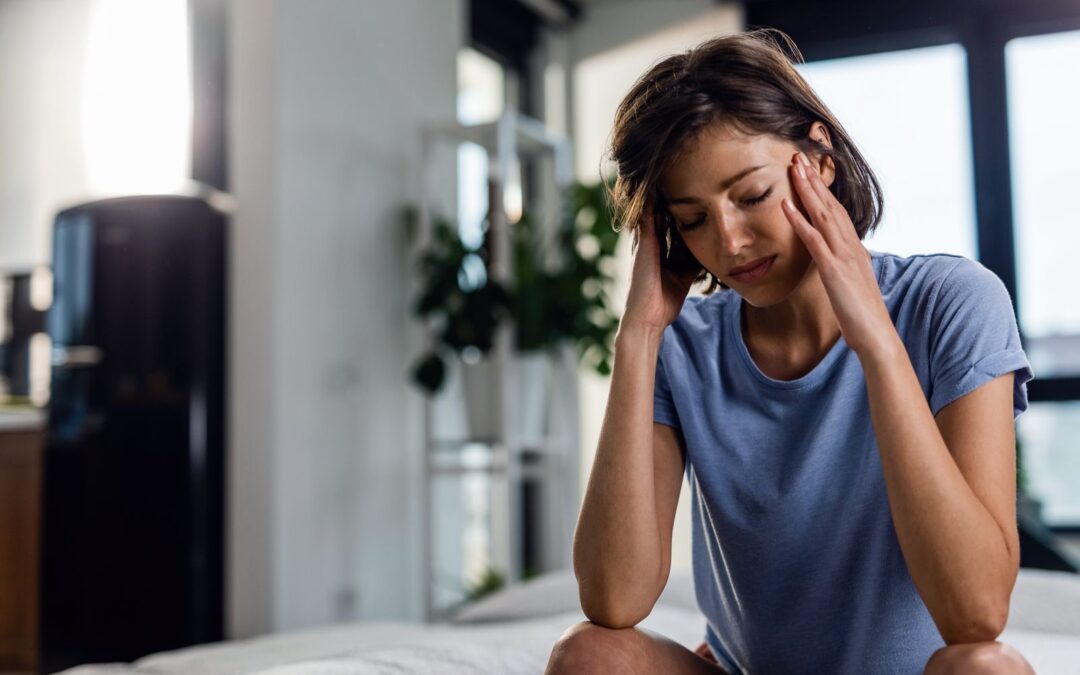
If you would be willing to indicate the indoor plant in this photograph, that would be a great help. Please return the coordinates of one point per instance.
(558, 293)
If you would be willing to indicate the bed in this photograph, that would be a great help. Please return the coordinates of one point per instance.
(512, 631)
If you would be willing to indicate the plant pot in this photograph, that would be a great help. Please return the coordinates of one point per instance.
(482, 390)
(534, 394)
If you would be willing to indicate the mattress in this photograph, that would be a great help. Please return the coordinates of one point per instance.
(512, 631)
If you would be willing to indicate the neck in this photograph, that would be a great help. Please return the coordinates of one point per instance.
(805, 320)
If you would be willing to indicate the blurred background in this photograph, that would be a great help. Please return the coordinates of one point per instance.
(307, 306)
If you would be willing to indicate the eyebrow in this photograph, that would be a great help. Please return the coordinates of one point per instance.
(723, 185)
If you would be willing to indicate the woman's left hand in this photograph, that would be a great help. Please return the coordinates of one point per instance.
(843, 262)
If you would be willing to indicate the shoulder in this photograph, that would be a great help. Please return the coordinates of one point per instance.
(954, 292)
(935, 275)
(966, 284)
(699, 326)
(895, 268)
(702, 314)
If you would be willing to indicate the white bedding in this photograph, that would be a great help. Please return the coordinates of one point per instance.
(512, 632)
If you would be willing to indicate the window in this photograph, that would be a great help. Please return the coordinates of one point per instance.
(1043, 96)
(1050, 461)
(485, 90)
(481, 98)
(920, 153)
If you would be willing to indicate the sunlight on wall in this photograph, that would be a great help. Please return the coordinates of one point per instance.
(136, 115)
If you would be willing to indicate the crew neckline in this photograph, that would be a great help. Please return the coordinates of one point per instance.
(820, 369)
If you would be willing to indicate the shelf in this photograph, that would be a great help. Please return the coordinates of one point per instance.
(490, 459)
(531, 446)
(525, 472)
(530, 136)
(521, 479)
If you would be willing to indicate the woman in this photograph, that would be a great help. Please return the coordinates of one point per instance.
(842, 415)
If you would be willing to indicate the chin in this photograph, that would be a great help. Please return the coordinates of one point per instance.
(764, 297)
(773, 291)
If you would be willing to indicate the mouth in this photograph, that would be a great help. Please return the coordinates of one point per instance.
(754, 270)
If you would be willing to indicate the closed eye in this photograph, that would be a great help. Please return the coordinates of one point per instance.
(753, 201)
(760, 198)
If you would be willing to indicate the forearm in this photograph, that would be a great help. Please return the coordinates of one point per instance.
(958, 557)
(617, 548)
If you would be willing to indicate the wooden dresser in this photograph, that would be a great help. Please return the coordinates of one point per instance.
(22, 440)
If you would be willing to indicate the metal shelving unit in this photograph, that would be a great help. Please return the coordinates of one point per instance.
(508, 458)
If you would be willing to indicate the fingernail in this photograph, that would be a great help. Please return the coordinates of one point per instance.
(803, 159)
(801, 170)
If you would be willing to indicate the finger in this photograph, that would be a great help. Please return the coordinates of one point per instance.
(814, 240)
(647, 223)
(818, 184)
(821, 215)
(646, 227)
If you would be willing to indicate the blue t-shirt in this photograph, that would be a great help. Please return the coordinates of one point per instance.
(797, 567)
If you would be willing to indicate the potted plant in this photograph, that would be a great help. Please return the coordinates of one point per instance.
(558, 293)
(466, 307)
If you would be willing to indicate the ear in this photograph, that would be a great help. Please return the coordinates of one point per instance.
(824, 164)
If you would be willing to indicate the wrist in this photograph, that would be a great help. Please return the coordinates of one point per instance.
(884, 353)
(631, 331)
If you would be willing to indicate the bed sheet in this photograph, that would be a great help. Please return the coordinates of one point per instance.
(512, 633)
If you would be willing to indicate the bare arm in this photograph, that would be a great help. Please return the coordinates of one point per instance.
(622, 545)
(952, 490)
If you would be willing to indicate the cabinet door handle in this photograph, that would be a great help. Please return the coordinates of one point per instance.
(76, 356)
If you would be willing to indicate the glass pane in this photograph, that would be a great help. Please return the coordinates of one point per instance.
(907, 112)
(481, 98)
(1043, 97)
(481, 87)
(1050, 459)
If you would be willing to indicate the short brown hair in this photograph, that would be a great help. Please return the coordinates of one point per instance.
(745, 82)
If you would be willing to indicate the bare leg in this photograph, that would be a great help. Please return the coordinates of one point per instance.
(977, 658)
(588, 648)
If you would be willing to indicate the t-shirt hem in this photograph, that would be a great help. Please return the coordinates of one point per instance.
(986, 369)
(664, 416)
(721, 654)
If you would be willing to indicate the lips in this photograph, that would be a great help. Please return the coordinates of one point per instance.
(756, 273)
(748, 266)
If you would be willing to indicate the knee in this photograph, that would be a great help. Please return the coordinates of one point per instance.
(978, 658)
(585, 647)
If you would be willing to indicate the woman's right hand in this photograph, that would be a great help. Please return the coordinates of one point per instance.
(657, 292)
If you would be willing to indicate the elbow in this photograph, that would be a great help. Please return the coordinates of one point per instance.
(984, 625)
(613, 617)
(605, 609)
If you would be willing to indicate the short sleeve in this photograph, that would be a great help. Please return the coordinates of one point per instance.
(974, 337)
(663, 404)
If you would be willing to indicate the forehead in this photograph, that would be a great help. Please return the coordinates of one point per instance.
(716, 154)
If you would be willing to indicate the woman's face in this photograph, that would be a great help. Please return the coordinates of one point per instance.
(724, 195)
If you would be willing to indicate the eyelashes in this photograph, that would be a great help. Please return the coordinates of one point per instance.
(760, 198)
(753, 201)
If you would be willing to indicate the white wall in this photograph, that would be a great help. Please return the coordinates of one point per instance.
(72, 126)
(327, 98)
(42, 46)
(614, 46)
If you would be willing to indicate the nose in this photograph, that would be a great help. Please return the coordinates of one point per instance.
(731, 231)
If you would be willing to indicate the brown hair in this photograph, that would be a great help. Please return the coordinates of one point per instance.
(743, 81)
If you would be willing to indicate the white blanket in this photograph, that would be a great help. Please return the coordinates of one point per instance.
(512, 632)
